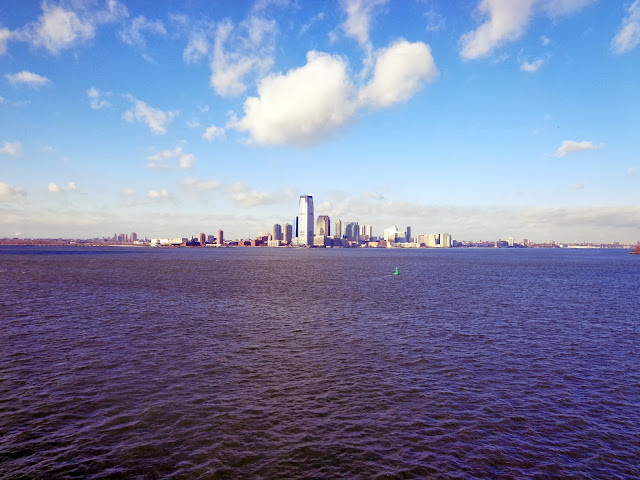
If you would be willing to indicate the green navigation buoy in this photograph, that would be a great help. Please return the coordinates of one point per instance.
(396, 272)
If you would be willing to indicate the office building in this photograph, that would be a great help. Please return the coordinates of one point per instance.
(277, 232)
(352, 232)
(220, 237)
(133, 237)
(366, 233)
(202, 239)
(305, 220)
(323, 226)
(337, 229)
(288, 233)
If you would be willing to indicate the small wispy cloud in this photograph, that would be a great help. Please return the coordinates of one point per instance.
(13, 149)
(96, 102)
(213, 132)
(9, 193)
(133, 34)
(578, 186)
(161, 159)
(25, 78)
(571, 146)
(201, 185)
(531, 67)
(628, 37)
(55, 188)
(156, 119)
(162, 194)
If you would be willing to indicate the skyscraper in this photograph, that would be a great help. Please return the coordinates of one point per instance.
(323, 225)
(338, 229)
(352, 232)
(305, 220)
(202, 239)
(277, 232)
(220, 237)
(288, 233)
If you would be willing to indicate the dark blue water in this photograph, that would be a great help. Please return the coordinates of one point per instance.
(296, 363)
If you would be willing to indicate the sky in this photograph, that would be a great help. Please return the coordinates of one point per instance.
(485, 119)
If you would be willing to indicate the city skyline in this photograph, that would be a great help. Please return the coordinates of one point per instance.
(484, 118)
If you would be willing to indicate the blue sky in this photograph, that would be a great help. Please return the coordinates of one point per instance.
(483, 118)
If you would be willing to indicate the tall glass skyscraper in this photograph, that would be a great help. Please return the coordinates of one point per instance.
(305, 220)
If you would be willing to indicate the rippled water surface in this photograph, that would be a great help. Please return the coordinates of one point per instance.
(310, 363)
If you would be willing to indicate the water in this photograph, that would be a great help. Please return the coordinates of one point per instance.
(294, 363)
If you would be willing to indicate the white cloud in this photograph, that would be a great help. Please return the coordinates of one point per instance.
(187, 160)
(316, 18)
(57, 29)
(400, 71)
(244, 196)
(264, 4)
(26, 78)
(48, 148)
(196, 48)
(508, 21)
(201, 185)
(156, 119)
(258, 29)
(213, 132)
(193, 124)
(229, 68)
(5, 34)
(531, 66)
(307, 104)
(160, 159)
(1, 99)
(571, 146)
(63, 25)
(9, 193)
(545, 41)
(55, 188)
(115, 11)
(301, 106)
(13, 149)
(95, 100)
(133, 34)
(359, 13)
(577, 186)
(162, 194)
(557, 8)
(128, 192)
(628, 37)
(435, 21)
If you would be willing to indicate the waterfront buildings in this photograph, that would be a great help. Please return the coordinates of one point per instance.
(337, 229)
(366, 233)
(393, 235)
(435, 240)
(202, 239)
(352, 232)
(305, 220)
(323, 225)
(220, 237)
